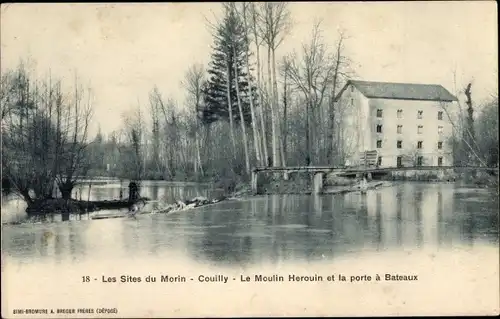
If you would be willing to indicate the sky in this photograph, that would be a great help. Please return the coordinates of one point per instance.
(121, 51)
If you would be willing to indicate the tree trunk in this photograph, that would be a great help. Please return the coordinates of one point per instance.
(66, 191)
(230, 106)
(207, 155)
(261, 100)
(26, 196)
(285, 109)
(273, 115)
(312, 126)
(242, 119)
(308, 143)
(198, 157)
(256, 137)
(331, 117)
(281, 158)
(195, 159)
(470, 132)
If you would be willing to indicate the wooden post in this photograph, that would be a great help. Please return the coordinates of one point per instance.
(318, 182)
(254, 182)
(440, 174)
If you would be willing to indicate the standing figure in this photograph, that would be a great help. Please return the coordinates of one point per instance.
(133, 192)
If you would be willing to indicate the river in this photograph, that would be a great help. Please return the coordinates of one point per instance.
(445, 234)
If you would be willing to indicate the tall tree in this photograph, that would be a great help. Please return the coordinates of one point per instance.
(193, 82)
(285, 70)
(470, 136)
(225, 70)
(246, 30)
(155, 133)
(254, 25)
(341, 63)
(275, 26)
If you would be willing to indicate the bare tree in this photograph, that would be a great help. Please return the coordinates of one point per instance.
(167, 111)
(341, 63)
(463, 126)
(246, 31)
(193, 83)
(74, 144)
(287, 91)
(133, 132)
(45, 137)
(258, 39)
(312, 74)
(155, 132)
(275, 25)
(231, 11)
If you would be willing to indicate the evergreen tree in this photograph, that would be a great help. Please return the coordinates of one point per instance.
(228, 37)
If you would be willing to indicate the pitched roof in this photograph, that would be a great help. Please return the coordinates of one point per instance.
(401, 91)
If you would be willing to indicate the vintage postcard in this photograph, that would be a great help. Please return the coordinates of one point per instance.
(226, 159)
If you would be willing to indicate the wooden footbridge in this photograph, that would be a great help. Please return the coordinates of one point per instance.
(320, 171)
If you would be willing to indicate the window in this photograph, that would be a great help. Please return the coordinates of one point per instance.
(420, 160)
(419, 144)
(379, 161)
(440, 145)
(400, 161)
(379, 128)
(400, 144)
(352, 101)
(352, 88)
(440, 115)
(420, 114)
(379, 144)
(400, 114)
(400, 129)
(420, 129)
(379, 113)
(440, 161)
(440, 130)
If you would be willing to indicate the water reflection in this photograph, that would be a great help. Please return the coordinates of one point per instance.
(275, 228)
